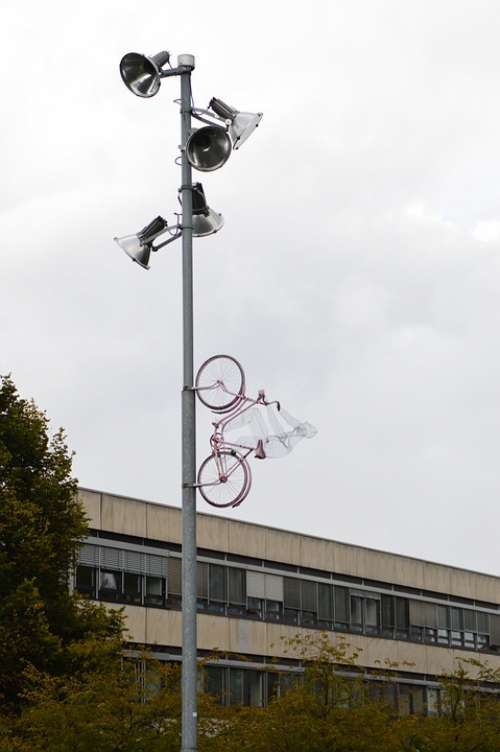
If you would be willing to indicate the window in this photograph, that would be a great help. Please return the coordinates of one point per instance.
(215, 682)
(252, 686)
(387, 608)
(341, 596)
(174, 584)
(235, 686)
(443, 619)
(432, 701)
(217, 587)
(402, 618)
(325, 605)
(202, 584)
(309, 602)
(85, 580)
(255, 607)
(356, 613)
(365, 612)
(110, 586)
(456, 619)
(411, 699)
(132, 590)
(236, 586)
(155, 591)
(274, 610)
(372, 615)
(291, 595)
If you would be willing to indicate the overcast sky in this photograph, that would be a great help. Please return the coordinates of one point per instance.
(357, 277)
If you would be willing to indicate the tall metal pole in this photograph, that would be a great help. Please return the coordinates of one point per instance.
(189, 665)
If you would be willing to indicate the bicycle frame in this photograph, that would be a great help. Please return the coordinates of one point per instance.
(219, 443)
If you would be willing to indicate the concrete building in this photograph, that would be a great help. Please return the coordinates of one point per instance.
(257, 585)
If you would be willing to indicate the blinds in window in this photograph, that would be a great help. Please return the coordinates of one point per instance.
(341, 604)
(110, 558)
(274, 587)
(423, 614)
(256, 585)
(133, 561)
(88, 555)
(325, 602)
(495, 630)
(202, 579)
(156, 565)
(174, 576)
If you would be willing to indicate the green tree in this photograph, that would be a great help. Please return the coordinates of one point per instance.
(41, 526)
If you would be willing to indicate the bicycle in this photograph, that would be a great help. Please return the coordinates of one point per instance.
(225, 478)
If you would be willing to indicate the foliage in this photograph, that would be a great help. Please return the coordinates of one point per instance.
(41, 525)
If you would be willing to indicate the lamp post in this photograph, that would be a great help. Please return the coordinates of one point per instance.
(189, 642)
(206, 149)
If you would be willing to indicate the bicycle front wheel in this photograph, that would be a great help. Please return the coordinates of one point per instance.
(220, 383)
(224, 479)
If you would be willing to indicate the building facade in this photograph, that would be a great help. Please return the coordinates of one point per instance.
(258, 586)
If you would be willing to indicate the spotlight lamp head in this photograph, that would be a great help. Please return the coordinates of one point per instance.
(242, 124)
(139, 246)
(208, 148)
(142, 74)
(205, 220)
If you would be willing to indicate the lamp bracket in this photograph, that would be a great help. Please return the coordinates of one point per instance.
(174, 71)
(198, 113)
(166, 242)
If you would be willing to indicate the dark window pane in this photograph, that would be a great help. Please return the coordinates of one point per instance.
(215, 682)
(202, 579)
(85, 579)
(235, 686)
(254, 607)
(308, 596)
(402, 616)
(273, 683)
(132, 587)
(252, 685)
(217, 582)
(236, 581)
(174, 576)
(341, 604)
(325, 602)
(274, 610)
(291, 588)
(387, 612)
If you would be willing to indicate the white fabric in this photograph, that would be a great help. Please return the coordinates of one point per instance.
(279, 431)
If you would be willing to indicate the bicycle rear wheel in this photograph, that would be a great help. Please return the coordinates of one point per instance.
(224, 480)
(220, 383)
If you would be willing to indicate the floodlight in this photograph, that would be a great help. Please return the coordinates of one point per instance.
(205, 220)
(141, 74)
(139, 246)
(242, 124)
(208, 148)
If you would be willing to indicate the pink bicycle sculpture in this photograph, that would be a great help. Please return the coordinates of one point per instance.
(224, 477)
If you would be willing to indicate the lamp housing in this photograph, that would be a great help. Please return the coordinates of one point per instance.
(142, 74)
(242, 124)
(139, 246)
(208, 148)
